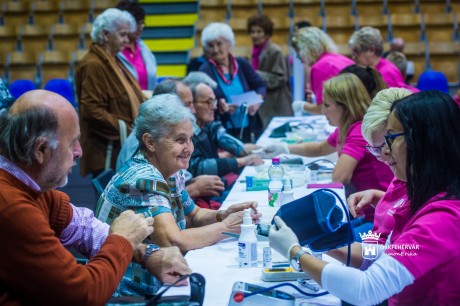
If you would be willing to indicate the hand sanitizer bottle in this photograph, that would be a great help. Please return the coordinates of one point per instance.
(247, 243)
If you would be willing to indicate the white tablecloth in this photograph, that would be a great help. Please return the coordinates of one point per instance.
(219, 263)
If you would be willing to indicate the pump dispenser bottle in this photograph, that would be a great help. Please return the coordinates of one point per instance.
(247, 243)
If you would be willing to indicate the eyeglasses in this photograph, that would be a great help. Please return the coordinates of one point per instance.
(376, 151)
(390, 138)
(210, 102)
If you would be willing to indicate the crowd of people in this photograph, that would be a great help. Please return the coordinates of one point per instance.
(178, 146)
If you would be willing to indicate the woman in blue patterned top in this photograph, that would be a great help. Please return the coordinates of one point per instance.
(152, 182)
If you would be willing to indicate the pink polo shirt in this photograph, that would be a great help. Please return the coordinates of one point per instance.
(390, 206)
(328, 66)
(138, 63)
(428, 247)
(391, 74)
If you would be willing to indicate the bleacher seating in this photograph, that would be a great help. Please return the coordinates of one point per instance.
(64, 25)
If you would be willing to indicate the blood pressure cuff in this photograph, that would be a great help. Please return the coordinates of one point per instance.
(280, 131)
(317, 221)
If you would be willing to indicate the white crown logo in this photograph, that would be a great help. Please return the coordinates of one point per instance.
(370, 235)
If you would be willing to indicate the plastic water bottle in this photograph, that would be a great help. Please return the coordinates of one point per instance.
(247, 243)
(275, 187)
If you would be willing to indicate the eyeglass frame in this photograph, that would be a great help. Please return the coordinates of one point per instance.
(389, 138)
(375, 150)
(208, 102)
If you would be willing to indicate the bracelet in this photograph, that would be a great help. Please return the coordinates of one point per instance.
(219, 216)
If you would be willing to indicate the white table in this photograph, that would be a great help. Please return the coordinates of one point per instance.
(219, 263)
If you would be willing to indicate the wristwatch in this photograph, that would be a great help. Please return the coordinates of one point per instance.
(295, 261)
(149, 250)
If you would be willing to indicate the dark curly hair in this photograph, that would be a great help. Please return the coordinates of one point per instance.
(262, 21)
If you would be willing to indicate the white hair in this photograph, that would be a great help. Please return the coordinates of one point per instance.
(376, 117)
(366, 38)
(216, 30)
(110, 20)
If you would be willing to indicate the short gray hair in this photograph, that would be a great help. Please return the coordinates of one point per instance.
(168, 86)
(376, 117)
(311, 43)
(110, 20)
(366, 38)
(399, 60)
(19, 133)
(216, 30)
(158, 115)
(196, 77)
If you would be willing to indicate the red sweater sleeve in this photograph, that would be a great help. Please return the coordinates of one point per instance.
(36, 266)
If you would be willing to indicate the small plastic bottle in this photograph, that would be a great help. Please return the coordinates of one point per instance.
(247, 243)
(314, 169)
(275, 187)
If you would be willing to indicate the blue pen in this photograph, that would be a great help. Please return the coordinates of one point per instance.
(308, 285)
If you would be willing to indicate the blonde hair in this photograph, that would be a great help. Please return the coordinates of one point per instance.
(377, 114)
(400, 61)
(311, 43)
(349, 93)
(366, 38)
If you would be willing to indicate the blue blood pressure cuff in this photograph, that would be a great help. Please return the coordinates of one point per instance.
(317, 221)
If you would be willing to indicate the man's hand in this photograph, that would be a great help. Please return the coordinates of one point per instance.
(205, 186)
(134, 227)
(282, 239)
(249, 160)
(167, 264)
(253, 109)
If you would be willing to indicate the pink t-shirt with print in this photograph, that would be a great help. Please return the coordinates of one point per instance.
(427, 245)
(328, 66)
(390, 206)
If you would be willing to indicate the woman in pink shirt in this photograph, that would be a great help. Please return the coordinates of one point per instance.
(345, 102)
(366, 45)
(421, 264)
(316, 49)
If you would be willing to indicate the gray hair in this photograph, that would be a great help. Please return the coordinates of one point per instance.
(168, 86)
(196, 77)
(110, 20)
(399, 59)
(376, 117)
(311, 43)
(216, 30)
(19, 133)
(158, 115)
(366, 38)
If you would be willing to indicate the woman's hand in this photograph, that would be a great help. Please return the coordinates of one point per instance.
(358, 200)
(281, 238)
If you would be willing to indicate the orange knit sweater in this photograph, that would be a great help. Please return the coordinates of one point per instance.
(35, 268)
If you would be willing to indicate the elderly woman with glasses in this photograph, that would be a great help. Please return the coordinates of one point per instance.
(420, 263)
(366, 45)
(373, 129)
(234, 76)
(316, 49)
(108, 95)
(153, 184)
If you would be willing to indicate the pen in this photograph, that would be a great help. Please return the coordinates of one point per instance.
(308, 285)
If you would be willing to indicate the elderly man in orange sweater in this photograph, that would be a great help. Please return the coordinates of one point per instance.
(39, 144)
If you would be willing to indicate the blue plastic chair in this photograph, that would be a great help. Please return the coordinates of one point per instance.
(433, 80)
(62, 87)
(19, 87)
